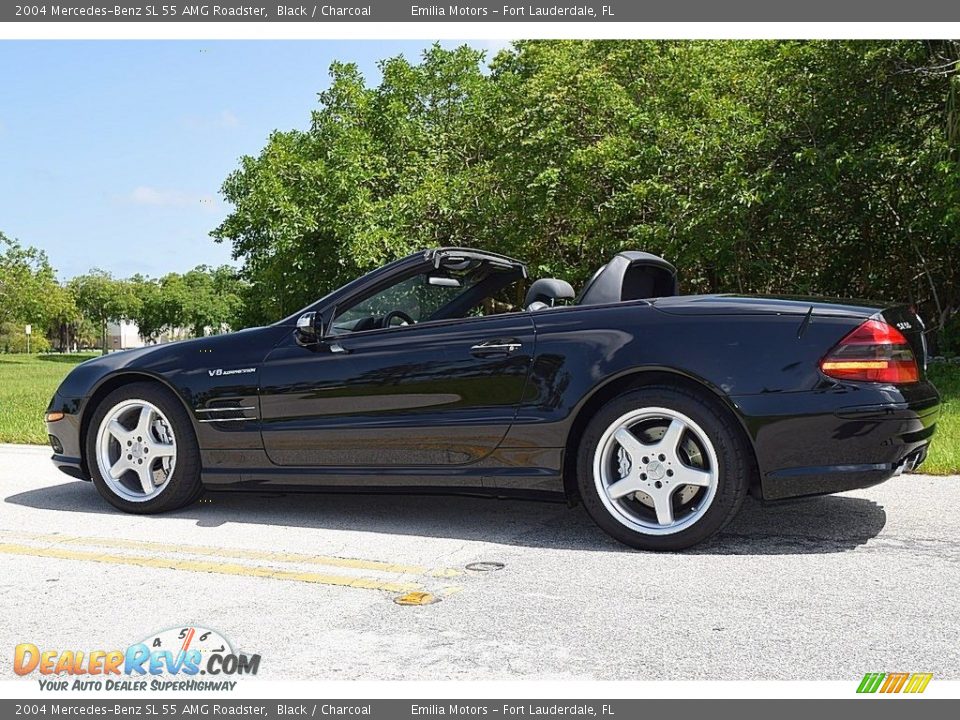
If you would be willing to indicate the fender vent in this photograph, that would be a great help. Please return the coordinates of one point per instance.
(226, 413)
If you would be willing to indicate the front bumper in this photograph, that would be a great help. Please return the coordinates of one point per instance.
(64, 436)
(840, 438)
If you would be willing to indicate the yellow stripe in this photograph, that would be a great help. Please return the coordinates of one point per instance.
(210, 567)
(243, 554)
(912, 684)
(924, 682)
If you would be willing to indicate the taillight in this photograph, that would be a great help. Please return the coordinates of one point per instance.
(874, 352)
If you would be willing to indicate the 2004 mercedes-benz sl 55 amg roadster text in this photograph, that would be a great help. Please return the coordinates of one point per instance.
(449, 370)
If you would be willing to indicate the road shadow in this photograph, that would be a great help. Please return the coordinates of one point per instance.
(818, 525)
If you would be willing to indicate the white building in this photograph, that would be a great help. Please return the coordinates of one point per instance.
(123, 335)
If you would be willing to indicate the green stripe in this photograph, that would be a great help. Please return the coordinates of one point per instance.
(871, 682)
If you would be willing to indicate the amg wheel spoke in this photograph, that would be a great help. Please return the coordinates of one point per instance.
(146, 481)
(143, 423)
(663, 505)
(671, 437)
(118, 431)
(163, 449)
(119, 467)
(689, 476)
(629, 442)
(621, 488)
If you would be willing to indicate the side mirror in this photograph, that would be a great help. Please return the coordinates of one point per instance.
(306, 331)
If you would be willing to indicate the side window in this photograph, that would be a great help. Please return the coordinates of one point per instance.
(507, 299)
(409, 301)
(468, 290)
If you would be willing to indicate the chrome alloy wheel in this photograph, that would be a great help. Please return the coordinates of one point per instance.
(136, 450)
(656, 471)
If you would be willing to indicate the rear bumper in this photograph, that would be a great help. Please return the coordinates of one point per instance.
(841, 438)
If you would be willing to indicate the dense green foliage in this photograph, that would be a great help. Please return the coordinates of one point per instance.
(762, 166)
(199, 302)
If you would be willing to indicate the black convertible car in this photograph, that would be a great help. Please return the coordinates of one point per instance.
(449, 370)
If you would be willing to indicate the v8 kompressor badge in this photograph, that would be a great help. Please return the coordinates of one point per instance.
(237, 371)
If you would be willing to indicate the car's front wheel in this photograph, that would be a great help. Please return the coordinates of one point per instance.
(660, 468)
(142, 451)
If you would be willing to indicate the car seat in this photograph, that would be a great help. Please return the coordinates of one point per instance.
(545, 292)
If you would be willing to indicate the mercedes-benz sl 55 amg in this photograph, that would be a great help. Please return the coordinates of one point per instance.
(449, 370)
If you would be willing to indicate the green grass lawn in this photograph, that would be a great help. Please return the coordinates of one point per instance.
(27, 382)
(944, 457)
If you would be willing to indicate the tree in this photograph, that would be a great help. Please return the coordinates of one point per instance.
(203, 300)
(63, 317)
(152, 313)
(103, 299)
(26, 283)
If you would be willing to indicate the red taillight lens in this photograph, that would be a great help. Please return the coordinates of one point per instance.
(874, 352)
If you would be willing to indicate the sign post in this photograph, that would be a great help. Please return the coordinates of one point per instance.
(29, 331)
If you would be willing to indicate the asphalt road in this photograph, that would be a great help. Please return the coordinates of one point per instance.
(827, 588)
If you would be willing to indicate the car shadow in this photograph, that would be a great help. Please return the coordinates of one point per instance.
(816, 525)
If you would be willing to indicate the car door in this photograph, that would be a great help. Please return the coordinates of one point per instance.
(435, 394)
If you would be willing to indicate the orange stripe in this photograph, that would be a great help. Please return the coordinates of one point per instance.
(186, 642)
(893, 682)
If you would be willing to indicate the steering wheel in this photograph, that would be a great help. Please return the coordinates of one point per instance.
(388, 318)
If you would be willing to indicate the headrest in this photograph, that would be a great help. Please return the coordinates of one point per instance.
(630, 275)
(548, 290)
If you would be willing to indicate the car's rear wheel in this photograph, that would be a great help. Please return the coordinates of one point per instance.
(660, 468)
(142, 451)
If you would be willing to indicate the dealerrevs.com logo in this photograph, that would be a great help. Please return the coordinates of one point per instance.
(174, 659)
(887, 683)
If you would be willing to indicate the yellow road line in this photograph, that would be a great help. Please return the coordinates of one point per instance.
(241, 554)
(366, 583)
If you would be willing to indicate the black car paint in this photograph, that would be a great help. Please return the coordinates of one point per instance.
(415, 407)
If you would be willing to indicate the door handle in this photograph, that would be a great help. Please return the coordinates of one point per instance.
(500, 346)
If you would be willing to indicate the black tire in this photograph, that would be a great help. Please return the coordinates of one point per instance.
(734, 459)
(183, 487)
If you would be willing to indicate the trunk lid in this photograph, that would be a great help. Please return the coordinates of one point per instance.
(900, 316)
(764, 305)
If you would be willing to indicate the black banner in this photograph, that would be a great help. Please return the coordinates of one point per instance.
(852, 709)
(483, 11)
